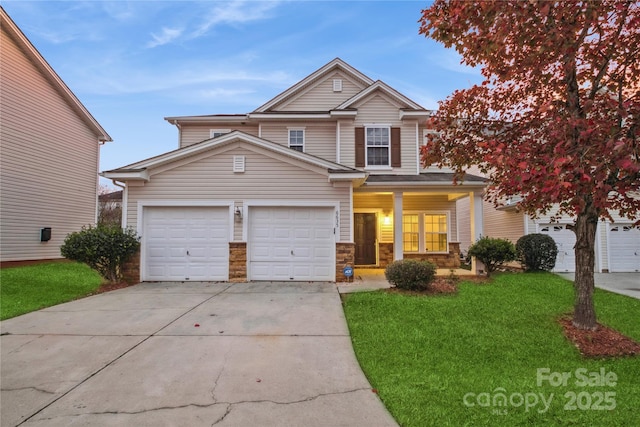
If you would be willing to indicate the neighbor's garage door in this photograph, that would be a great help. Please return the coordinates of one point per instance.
(565, 240)
(291, 243)
(186, 243)
(624, 248)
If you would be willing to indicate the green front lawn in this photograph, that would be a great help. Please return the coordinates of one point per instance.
(447, 360)
(30, 288)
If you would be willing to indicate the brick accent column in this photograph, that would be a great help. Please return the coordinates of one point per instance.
(237, 261)
(345, 255)
(131, 269)
(385, 254)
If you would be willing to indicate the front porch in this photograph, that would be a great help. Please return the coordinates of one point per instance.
(398, 217)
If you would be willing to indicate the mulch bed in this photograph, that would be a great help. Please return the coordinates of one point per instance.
(603, 342)
(440, 286)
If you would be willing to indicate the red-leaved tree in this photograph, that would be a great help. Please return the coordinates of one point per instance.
(556, 119)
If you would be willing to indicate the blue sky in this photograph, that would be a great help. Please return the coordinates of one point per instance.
(132, 63)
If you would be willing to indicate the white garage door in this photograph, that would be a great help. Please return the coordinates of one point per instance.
(624, 248)
(186, 243)
(565, 240)
(291, 243)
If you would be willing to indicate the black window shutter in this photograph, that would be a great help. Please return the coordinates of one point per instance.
(359, 147)
(395, 148)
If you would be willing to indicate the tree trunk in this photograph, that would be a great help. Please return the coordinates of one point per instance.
(584, 316)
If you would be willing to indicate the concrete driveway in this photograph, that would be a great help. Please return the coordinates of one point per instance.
(193, 354)
(621, 283)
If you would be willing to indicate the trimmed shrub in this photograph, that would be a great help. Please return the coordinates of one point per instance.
(493, 252)
(104, 248)
(411, 274)
(537, 252)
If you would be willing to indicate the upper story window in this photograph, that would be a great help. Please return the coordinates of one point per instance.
(378, 146)
(214, 133)
(296, 139)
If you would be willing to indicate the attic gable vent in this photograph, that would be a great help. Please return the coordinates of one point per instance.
(238, 164)
(337, 85)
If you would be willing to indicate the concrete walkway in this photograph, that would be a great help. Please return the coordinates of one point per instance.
(194, 354)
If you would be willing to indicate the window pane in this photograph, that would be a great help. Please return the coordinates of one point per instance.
(377, 156)
(296, 139)
(410, 233)
(435, 233)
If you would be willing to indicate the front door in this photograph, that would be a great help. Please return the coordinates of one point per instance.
(365, 237)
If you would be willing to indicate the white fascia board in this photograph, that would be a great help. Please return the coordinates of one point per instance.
(424, 114)
(289, 116)
(207, 119)
(142, 175)
(343, 113)
(399, 184)
(346, 176)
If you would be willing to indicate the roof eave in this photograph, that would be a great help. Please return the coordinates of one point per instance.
(127, 175)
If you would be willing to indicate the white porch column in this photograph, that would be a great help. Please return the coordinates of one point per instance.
(477, 225)
(397, 226)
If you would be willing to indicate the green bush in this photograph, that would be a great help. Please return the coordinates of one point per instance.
(537, 252)
(104, 248)
(492, 252)
(411, 274)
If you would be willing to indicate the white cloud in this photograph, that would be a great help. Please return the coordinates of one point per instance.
(167, 36)
(235, 12)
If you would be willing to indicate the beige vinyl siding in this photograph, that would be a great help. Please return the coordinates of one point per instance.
(321, 97)
(379, 109)
(191, 134)
(210, 177)
(319, 140)
(463, 210)
(49, 162)
(503, 224)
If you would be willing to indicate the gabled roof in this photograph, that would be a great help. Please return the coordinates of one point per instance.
(383, 87)
(47, 71)
(312, 78)
(140, 170)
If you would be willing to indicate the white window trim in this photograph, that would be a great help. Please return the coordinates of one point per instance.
(304, 137)
(421, 233)
(221, 132)
(366, 147)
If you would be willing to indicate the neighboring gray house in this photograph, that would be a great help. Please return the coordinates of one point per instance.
(49, 152)
(326, 174)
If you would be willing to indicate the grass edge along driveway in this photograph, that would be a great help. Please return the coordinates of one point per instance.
(450, 360)
(33, 287)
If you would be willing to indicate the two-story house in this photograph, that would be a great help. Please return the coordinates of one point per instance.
(47, 136)
(324, 175)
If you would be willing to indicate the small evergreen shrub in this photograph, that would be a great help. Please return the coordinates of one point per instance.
(104, 248)
(493, 252)
(537, 252)
(411, 274)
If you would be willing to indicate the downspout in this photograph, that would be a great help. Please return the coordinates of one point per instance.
(125, 197)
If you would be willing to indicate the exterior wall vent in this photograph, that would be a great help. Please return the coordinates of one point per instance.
(337, 85)
(238, 164)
